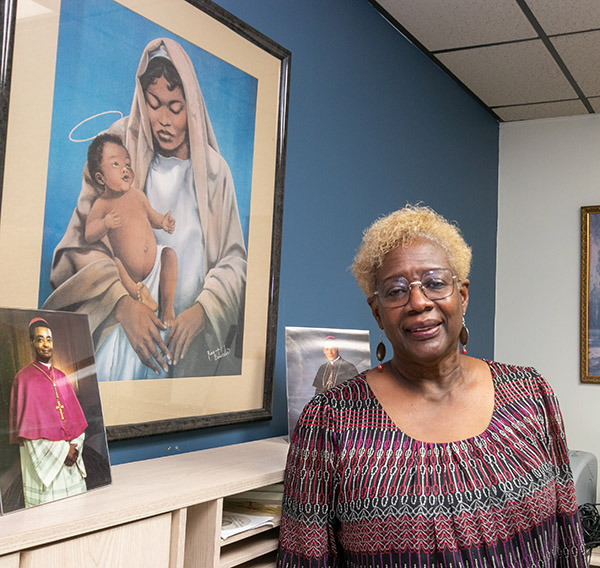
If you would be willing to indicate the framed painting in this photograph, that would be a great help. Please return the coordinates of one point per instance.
(590, 295)
(52, 435)
(142, 185)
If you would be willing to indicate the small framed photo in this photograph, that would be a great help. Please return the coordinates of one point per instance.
(318, 359)
(52, 434)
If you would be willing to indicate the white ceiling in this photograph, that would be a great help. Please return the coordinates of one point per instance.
(522, 59)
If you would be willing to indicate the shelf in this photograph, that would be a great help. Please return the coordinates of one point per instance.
(266, 561)
(252, 532)
(171, 507)
(249, 549)
(146, 488)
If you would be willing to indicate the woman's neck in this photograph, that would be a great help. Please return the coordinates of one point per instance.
(181, 152)
(435, 379)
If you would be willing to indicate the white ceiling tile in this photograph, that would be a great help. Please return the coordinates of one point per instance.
(445, 24)
(509, 74)
(581, 54)
(541, 110)
(564, 16)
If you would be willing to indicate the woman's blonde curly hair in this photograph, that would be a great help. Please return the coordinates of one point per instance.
(401, 228)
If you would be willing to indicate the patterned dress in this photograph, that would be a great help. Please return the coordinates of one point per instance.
(361, 493)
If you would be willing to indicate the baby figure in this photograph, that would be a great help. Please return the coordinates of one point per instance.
(124, 214)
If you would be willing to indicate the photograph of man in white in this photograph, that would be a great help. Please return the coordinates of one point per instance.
(48, 423)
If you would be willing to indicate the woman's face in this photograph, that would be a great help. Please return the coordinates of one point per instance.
(423, 331)
(168, 118)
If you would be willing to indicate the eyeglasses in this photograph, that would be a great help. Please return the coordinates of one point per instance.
(435, 284)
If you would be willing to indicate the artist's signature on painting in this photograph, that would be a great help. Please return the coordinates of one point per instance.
(218, 353)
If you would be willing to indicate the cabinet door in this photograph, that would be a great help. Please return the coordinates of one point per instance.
(10, 560)
(134, 545)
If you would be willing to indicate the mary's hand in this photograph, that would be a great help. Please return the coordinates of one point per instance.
(142, 328)
(188, 324)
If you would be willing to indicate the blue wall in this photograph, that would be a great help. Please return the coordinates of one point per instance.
(373, 124)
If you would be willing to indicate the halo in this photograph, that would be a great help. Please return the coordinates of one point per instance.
(87, 120)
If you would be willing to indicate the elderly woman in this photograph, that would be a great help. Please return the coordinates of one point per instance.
(176, 160)
(433, 458)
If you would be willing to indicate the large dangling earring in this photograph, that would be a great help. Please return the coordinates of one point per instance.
(464, 336)
(380, 351)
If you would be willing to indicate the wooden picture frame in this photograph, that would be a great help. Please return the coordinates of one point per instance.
(69, 70)
(590, 295)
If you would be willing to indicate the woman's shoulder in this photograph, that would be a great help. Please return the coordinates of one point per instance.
(219, 174)
(342, 395)
(510, 370)
(348, 390)
(215, 162)
(335, 409)
(510, 380)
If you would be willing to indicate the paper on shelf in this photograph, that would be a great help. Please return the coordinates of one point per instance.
(235, 522)
(266, 500)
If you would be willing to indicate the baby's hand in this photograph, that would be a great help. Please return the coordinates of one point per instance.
(168, 223)
(113, 220)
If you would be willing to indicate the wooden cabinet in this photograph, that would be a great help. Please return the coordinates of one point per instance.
(163, 512)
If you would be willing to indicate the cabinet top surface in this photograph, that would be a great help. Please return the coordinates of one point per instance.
(150, 487)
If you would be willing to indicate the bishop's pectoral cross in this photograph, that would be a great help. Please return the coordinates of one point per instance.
(59, 407)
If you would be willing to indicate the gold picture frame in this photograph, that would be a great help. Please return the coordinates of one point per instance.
(30, 49)
(590, 295)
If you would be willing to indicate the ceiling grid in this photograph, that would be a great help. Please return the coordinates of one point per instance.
(520, 59)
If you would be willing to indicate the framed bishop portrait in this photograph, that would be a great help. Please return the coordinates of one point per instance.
(52, 436)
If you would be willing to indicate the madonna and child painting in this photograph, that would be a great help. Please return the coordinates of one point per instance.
(148, 197)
